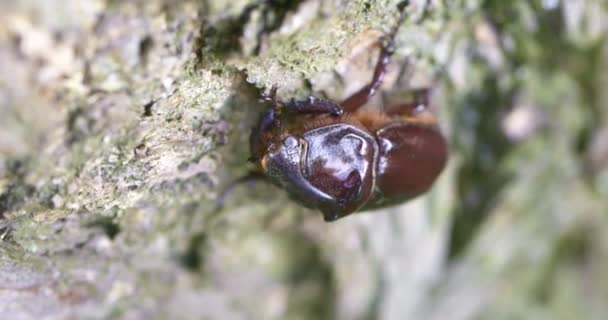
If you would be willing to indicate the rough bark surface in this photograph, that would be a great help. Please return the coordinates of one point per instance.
(121, 121)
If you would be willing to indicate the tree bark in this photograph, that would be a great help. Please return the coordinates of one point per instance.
(121, 122)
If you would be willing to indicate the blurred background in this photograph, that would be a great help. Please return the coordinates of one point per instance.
(121, 122)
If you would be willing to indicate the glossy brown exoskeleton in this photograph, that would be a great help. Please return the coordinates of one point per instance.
(340, 158)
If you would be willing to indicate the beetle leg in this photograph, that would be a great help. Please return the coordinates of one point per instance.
(361, 97)
(267, 121)
(314, 105)
(249, 178)
(258, 137)
(310, 105)
(416, 107)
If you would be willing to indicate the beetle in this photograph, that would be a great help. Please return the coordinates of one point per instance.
(341, 158)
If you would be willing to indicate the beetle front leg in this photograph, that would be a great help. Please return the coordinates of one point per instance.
(361, 97)
(311, 105)
(314, 105)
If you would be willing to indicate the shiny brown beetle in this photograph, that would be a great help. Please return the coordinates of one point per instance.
(339, 158)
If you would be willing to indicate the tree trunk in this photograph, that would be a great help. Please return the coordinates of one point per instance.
(121, 122)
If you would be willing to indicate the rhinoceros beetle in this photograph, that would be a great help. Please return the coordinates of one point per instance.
(341, 158)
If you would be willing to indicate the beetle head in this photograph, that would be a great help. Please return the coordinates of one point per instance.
(329, 168)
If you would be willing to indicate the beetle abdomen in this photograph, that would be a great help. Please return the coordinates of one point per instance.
(412, 155)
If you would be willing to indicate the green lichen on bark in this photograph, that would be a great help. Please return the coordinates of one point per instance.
(122, 121)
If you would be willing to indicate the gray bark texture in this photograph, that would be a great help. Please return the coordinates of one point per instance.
(121, 122)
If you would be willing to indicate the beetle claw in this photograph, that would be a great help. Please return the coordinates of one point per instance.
(272, 95)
